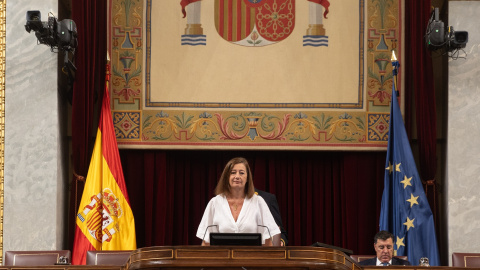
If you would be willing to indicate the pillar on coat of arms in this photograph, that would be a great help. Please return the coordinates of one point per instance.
(194, 25)
(315, 26)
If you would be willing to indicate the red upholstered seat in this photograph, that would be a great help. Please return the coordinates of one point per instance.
(35, 258)
(466, 259)
(108, 257)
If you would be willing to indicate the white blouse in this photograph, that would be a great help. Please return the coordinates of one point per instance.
(254, 212)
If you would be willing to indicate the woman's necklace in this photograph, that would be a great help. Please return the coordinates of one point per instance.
(234, 205)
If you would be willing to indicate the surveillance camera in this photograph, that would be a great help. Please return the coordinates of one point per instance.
(34, 21)
(34, 15)
(437, 38)
(59, 35)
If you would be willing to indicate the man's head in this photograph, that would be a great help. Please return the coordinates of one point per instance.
(383, 244)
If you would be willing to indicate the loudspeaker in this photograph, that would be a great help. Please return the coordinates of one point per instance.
(459, 39)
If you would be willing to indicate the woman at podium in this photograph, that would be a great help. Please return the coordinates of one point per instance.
(236, 208)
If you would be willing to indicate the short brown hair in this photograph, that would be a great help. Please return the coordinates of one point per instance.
(223, 185)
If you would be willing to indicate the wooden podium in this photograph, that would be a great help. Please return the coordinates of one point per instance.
(241, 258)
(230, 257)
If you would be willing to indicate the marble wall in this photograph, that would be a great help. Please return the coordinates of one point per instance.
(34, 164)
(463, 150)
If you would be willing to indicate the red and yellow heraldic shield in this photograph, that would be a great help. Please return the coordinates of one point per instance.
(104, 219)
(236, 20)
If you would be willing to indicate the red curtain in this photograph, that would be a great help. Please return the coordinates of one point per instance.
(420, 85)
(90, 18)
(328, 197)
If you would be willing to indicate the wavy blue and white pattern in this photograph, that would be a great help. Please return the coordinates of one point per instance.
(315, 41)
(194, 40)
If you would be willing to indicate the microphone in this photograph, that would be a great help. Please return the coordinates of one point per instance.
(207, 230)
(268, 231)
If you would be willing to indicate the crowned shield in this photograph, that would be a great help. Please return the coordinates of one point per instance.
(254, 22)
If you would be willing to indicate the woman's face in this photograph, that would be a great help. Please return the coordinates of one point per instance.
(238, 176)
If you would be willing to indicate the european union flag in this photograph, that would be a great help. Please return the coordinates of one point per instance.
(405, 211)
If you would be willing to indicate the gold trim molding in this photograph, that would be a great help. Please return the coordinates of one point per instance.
(3, 11)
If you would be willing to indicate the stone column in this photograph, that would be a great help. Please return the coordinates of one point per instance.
(34, 180)
(194, 24)
(463, 160)
(315, 26)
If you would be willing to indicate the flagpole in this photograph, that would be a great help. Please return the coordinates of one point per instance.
(395, 66)
(405, 211)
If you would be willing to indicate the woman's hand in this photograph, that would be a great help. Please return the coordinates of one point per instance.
(268, 242)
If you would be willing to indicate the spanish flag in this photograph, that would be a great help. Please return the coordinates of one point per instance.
(104, 220)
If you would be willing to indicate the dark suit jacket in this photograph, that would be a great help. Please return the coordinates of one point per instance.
(272, 203)
(395, 261)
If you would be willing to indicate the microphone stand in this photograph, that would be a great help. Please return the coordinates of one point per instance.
(271, 238)
(203, 239)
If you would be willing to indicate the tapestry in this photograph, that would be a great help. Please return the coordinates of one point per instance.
(253, 74)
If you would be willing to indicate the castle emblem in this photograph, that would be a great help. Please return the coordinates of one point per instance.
(101, 216)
